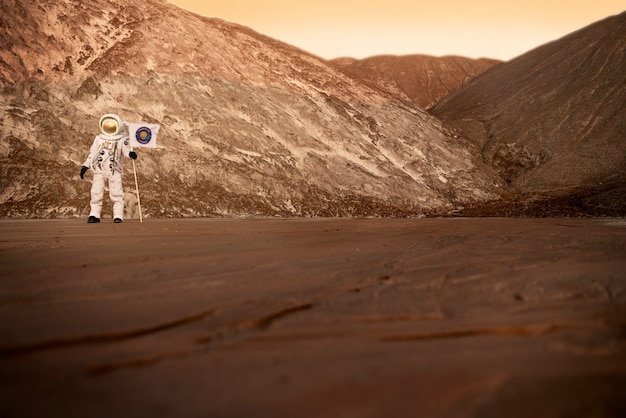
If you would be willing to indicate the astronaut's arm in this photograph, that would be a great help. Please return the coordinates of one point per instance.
(92, 153)
(130, 153)
(127, 149)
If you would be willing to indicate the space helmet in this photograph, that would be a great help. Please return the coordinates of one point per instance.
(111, 125)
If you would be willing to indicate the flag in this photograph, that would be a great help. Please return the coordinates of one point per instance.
(143, 134)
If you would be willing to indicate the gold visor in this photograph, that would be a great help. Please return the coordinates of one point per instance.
(109, 126)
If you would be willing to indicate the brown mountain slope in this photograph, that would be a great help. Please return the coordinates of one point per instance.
(553, 120)
(422, 79)
(249, 125)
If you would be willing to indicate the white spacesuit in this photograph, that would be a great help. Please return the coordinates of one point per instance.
(106, 159)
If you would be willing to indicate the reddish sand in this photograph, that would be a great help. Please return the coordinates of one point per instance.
(313, 318)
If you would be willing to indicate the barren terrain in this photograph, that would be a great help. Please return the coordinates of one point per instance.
(313, 317)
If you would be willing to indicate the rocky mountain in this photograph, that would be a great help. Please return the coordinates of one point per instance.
(249, 125)
(421, 79)
(553, 121)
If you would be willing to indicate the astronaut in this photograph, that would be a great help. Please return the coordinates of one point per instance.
(106, 159)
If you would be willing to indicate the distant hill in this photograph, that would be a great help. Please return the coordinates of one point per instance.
(421, 79)
(553, 121)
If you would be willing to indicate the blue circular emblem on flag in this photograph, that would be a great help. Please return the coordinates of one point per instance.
(143, 135)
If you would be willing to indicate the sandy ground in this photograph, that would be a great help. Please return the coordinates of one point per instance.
(313, 318)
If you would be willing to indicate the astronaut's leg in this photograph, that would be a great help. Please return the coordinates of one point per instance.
(116, 193)
(97, 193)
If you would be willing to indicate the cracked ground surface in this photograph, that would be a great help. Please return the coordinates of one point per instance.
(313, 317)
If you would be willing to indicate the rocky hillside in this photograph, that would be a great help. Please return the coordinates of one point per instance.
(421, 79)
(553, 121)
(250, 125)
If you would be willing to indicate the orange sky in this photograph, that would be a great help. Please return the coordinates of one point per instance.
(360, 28)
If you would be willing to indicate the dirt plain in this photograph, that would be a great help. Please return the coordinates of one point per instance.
(313, 317)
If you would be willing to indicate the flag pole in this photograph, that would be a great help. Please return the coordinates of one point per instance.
(137, 189)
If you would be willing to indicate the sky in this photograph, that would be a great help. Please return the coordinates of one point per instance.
(361, 28)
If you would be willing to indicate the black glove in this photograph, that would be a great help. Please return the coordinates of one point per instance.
(83, 171)
(132, 155)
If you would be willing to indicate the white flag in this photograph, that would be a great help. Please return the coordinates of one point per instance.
(143, 134)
